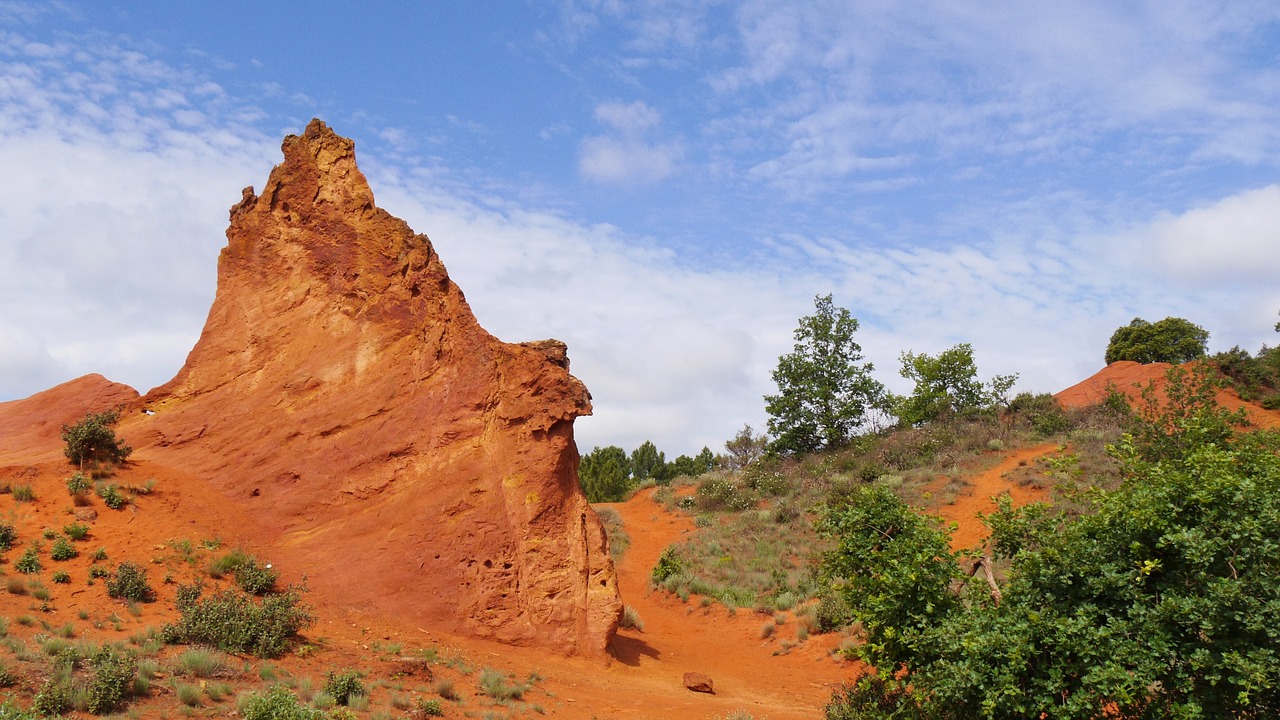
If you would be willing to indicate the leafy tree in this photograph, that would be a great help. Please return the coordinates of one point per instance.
(1163, 602)
(605, 474)
(649, 462)
(1171, 340)
(947, 385)
(93, 439)
(745, 448)
(824, 391)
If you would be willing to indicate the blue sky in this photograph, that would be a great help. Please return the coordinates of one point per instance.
(663, 185)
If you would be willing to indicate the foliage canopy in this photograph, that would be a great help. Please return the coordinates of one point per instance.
(947, 384)
(1171, 340)
(824, 390)
(1162, 602)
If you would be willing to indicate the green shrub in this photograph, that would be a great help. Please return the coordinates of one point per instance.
(63, 550)
(113, 673)
(255, 579)
(76, 531)
(1041, 411)
(54, 698)
(97, 571)
(342, 685)
(111, 497)
(277, 703)
(721, 492)
(61, 577)
(430, 708)
(23, 493)
(93, 439)
(129, 583)
(669, 565)
(235, 623)
(29, 562)
(79, 485)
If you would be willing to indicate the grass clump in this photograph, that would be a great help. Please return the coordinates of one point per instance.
(236, 623)
(23, 493)
(631, 619)
(499, 686)
(201, 663)
(430, 708)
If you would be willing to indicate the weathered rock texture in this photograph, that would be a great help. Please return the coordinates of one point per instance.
(344, 391)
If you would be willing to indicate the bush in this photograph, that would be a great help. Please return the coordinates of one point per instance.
(23, 493)
(720, 492)
(1172, 340)
(111, 497)
(29, 562)
(75, 531)
(93, 439)
(255, 579)
(54, 697)
(669, 565)
(235, 623)
(78, 485)
(1042, 411)
(276, 703)
(61, 577)
(113, 673)
(341, 686)
(7, 536)
(496, 685)
(430, 708)
(63, 550)
(129, 583)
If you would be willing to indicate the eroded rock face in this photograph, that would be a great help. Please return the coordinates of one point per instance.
(343, 390)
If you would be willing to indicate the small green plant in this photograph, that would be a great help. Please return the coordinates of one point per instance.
(63, 550)
(24, 493)
(97, 571)
(113, 674)
(129, 582)
(669, 565)
(79, 485)
(430, 708)
(342, 685)
(29, 562)
(76, 531)
(111, 497)
(188, 694)
(99, 555)
(54, 697)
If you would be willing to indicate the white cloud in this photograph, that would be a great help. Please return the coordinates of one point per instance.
(1236, 239)
(628, 155)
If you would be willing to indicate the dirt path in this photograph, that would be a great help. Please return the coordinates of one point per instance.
(983, 488)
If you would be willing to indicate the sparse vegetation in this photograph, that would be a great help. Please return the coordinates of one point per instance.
(341, 686)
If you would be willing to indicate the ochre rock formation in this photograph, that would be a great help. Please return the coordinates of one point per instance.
(1130, 378)
(343, 391)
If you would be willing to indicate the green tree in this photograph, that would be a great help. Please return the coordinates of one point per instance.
(745, 448)
(649, 462)
(824, 390)
(947, 385)
(605, 474)
(1163, 601)
(93, 439)
(1171, 340)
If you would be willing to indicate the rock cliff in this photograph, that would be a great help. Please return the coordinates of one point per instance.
(344, 392)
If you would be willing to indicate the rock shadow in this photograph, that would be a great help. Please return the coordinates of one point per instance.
(628, 650)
